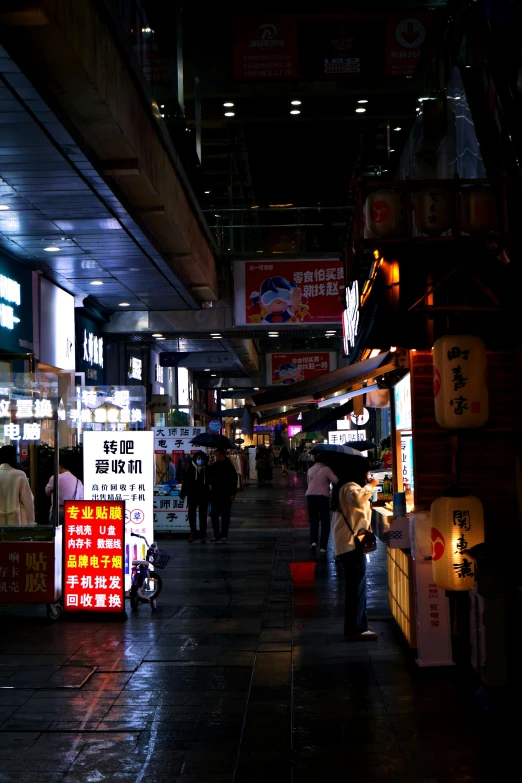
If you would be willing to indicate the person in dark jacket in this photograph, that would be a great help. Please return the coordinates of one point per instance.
(196, 488)
(223, 486)
(284, 458)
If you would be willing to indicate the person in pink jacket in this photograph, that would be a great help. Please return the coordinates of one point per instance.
(319, 478)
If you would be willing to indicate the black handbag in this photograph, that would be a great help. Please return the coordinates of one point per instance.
(365, 541)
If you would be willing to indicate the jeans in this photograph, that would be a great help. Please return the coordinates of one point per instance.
(193, 505)
(220, 508)
(319, 510)
(354, 565)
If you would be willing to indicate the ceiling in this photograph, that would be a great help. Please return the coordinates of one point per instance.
(57, 199)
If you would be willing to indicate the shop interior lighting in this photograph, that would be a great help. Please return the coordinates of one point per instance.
(124, 304)
(3, 207)
(363, 100)
(51, 249)
(295, 111)
(360, 111)
(96, 282)
(230, 114)
(295, 103)
(228, 104)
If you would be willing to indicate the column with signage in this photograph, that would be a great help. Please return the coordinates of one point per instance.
(90, 350)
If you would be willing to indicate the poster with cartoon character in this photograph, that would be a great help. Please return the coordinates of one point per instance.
(288, 368)
(277, 293)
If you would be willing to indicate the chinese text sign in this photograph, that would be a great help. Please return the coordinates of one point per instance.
(94, 556)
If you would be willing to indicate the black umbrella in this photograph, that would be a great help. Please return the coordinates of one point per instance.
(363, 445)
(213, 441)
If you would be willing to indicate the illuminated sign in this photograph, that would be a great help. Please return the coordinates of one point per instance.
(360, 419)
(10, 292)
(407, 460)
(294, 429)
(402, 393)
(92, 349)
(135, 368)
(342, 437)
(159, 373)
(351, 317)
(120, 466)
(111, 407)
(94, 556)
(24, 408)
(16, 328)
(57, 327)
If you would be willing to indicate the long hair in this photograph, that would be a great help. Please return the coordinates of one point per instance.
(351, 469)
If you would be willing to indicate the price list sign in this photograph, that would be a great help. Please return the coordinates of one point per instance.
(94, 556)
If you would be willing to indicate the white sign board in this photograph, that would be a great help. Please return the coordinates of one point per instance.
(402, 392)
(342, 437)
(57, 327)
(170, 513)
(433, 618)
(120, 466)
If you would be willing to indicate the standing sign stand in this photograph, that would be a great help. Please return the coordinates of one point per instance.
(433, 618)
(94, 560)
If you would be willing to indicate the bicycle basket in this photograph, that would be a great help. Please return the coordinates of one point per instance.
(161, 559)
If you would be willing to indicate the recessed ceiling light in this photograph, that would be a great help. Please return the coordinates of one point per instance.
(215, 334)
(3, 207)
(295, 111)
(363, 100)
(124, 304)
(392, 150)
(421, 100)
(216, 337)
(295, 103)
(230, 114)
(216, 215)
(207, 369)
(256, 388)
(96, 282)
(254, 206)
(360, 111)
(157, 334)
(214, 375)
(207, 192)
(51, 249)
(161, 338)
(228, 104)
(397, 129)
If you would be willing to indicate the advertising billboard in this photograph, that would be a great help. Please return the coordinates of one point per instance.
(288, 368)
(288, 292)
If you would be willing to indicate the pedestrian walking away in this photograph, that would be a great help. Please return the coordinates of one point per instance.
(223, 487)
(319, 478)
(196, 488)
(69, 486)
(16, 498)
(284, 458)
(353, 516)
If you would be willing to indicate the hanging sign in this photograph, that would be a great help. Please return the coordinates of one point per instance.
(432, 617)
(214, 425)
(171, 513)
(343, 437)
(120, 466)
(351, 317)
(460, 381)
(94, 559)
(116, 408)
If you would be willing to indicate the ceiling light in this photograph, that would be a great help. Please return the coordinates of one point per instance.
(215, 334)
(216, 337)
(363, 100)
(124, 304)
(51, 249)
(295, 111)
(3, 207)
(421, 100)
(392, 150)
(393, 349)
(216, 215)
(256, 388)
(207, 192)
(161, 338)
(418, 108)
(360, 111)
(96, 282)
(162, 106)
(214, 375)
(397, 129)
(254, 206)
(207, 369)
(230, 114)
(228, 104)
(231, 389)
(280, 205)
(157, 335)
(295, 103)
(374, 353)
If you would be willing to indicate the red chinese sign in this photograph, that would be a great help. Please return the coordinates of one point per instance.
(27, 572)
(94, 560)
(288, 368)
(289, 292)
(407, 39)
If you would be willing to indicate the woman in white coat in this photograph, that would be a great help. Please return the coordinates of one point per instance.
(16, 498)
(352, 516)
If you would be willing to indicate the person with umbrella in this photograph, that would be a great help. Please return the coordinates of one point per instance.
(196, 488)
(318, 496)
(223, 486)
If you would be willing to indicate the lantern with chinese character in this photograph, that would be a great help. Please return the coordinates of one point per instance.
(457, 525)
(434, 211)
(460, 382)
(478, 210)
(384, 214)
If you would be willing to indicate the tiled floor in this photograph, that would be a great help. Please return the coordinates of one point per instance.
(234, 678)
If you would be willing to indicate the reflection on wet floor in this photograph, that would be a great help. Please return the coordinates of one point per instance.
(235, 678)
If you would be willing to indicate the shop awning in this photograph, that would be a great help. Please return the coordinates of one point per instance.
(324, 386)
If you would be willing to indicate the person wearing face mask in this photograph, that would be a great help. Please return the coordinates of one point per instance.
(196, 488)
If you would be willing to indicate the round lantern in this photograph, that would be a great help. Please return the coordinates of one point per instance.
(384, 214)
(434, 211)
(460, 382)
(457, 524)
(478, 210)
(420, 535)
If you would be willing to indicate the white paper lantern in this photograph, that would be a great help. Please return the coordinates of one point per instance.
(460, 382)
(420, 534)
(457, 524)
(478, 209)
(434, 211)
(384, 214)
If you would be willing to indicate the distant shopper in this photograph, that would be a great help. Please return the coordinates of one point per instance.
(16, 498)
(69, 487)
(352, 516)
(196, 488)
(319, 478)
(270, 461)
(284, 458)
(223, 487)
(261, 465)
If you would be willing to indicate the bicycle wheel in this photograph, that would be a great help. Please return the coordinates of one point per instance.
(152, 586)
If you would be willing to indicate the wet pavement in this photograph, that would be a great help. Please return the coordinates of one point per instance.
(235, 678)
